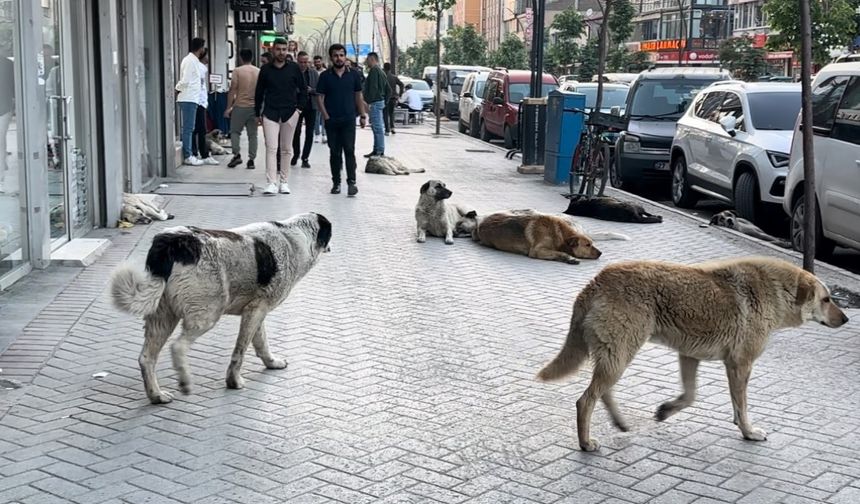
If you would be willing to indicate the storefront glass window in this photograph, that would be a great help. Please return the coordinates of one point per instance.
(13, 219)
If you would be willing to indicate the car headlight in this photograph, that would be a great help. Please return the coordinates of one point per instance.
(630, 143)
(778, 159)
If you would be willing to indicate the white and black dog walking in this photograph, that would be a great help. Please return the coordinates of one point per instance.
(198, 275)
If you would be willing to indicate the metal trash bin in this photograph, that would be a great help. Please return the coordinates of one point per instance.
(532, 130)
(564, 123)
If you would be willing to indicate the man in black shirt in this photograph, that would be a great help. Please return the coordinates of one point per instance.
(339, 101)
(278, 99)
(309, 112)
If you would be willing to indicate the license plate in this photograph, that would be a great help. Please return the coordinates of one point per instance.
(662, 165)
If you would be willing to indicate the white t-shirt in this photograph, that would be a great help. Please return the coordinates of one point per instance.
(190, 79)
(412, 99)
(203, 99)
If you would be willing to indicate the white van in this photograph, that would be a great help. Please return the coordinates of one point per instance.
(450, 83)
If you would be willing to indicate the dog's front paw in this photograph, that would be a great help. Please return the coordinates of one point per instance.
(664, 411)
(421, 239)
(589, 446)
(185, 387)
(755, 434)
(235, 381)
(449, 241)
(161, 397)
(572, 260)
(276, 364)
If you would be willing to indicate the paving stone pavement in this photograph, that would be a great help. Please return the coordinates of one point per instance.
(411, 373)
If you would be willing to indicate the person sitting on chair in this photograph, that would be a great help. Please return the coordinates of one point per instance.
(411, 100)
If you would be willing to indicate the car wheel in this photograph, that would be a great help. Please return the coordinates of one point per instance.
(485, 135)
(461, 127)
(747, 203)
(823, 246)
(509, 138)
(683, 196)
(474, 126)
(615, 177)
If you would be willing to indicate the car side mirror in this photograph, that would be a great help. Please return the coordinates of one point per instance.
(467, 95)
(498, 100)
(616, 111)
(729, 124)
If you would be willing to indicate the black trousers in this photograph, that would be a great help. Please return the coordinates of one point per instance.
(388, 115)
(307, 118)
(199, 146)
(341, 144)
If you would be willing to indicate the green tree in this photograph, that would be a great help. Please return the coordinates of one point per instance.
(510, 54)
(833, 26)
(621, 21)
(464, 46)
(416, 57)
(745, 61)
(432, 10)
(587, 61)
(567, 27)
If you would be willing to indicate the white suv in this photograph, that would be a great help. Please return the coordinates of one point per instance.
(836, 122)
(470, 102)
(733, 144)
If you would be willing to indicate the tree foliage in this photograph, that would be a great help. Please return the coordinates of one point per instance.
(833, 26)
(510, 54)
(621, 21)
(620, 59)
(587, 61)
(430, 10)
(415, 58)
(745, 61)
(567, 28)
(464, 46)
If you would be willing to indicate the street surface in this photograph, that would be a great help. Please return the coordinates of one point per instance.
(411, 375)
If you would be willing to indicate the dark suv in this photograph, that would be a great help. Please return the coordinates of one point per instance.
(657, 99)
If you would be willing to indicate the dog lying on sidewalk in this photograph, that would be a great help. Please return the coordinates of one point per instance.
(611, 209)
(436, 216)
(728, 219)
(137, 210)
(720, 310)
(214, 144)
(198, 275)
(384, 165)
(537, 235)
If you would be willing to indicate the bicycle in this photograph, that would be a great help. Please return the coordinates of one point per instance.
(590, 165)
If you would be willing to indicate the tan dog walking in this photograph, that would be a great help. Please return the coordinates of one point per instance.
(722, 310)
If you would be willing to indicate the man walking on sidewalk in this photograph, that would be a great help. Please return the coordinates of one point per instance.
(339, 101)
(395, 89)
(319, 127)
(309, 112)
(188, 89)
(376, 96)
(240, 109)
(279, 94)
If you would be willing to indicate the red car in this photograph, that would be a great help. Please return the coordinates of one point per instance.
(504, 91)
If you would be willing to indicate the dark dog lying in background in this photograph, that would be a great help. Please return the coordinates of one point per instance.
(611, 209)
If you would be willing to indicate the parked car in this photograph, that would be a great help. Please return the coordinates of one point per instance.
(451, 80)
(504, 91)
(567, 78)
(836, 122)
(620, 78)
(614, 95)
(733, 144)
(470, 102)
(423, 90)
(657, 99)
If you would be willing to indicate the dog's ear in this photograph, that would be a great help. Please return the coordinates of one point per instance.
(324, 233)
(715, 219)
(730, 222)
(805, 290)
(472, 215)
(425, 187)
(573, 242)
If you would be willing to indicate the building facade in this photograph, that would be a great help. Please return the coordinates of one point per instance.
(491, 22)
(750, 20)
(468, 12)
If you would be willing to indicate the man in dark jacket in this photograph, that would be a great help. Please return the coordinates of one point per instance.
(395, 89)
(280, 94)
(309, 112)
(375, 91)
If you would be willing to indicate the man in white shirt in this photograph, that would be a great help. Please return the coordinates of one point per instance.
(201, 147)
(188, 91)
(412, 99)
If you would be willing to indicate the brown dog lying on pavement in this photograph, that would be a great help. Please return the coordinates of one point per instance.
(537, 235)
(720, 310)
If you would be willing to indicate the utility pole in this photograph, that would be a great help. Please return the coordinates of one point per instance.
(810, 215)
(394, 38)
(537, 48)
(438, 64)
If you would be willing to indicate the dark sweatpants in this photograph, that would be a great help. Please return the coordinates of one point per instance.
(341, 143)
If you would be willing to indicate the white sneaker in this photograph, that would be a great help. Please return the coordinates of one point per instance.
(192, 161)
(270, 189)
(284, 188)
(317, 139)
(211, 161)
(325, 140)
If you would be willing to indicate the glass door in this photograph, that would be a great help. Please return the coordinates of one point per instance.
(64, 67)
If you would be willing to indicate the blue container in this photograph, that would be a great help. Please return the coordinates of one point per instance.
(563, 131)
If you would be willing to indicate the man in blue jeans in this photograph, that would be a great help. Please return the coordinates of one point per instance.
(188, 90)
(376, 92)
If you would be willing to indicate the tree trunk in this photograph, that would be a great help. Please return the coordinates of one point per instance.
(602, 42)
(811, 213)
(681, 37)
(438, 64)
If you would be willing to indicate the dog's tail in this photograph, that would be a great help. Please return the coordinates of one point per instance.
(608, 235)
(572, 354)
(135, 291)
